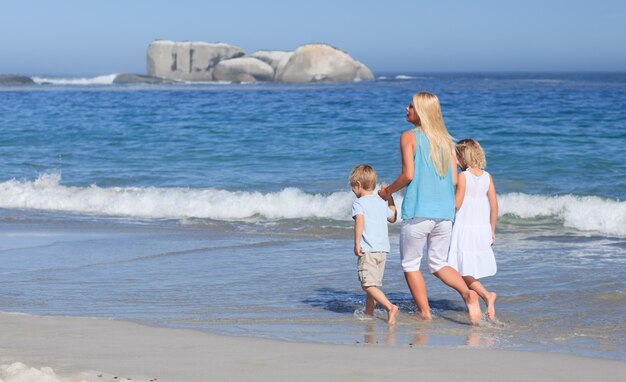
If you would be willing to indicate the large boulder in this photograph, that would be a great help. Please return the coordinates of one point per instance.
(8, 79)
(322, 62)
(243, 69)
(129, 78)
(363, 73)
(277, 59)
(188, 61)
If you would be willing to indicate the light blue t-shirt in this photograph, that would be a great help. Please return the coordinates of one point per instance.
(375, 213)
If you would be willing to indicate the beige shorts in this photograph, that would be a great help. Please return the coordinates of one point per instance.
(371, 268)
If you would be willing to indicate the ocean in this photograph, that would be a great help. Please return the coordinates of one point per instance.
(226, 207)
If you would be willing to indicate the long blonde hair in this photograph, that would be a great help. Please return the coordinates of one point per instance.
(470, 154)
(427, 107)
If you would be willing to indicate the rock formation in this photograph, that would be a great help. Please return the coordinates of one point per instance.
(8, 79)
(187, 61)
(200, 61)
(321, 62)
(129, 78)
(243, 69)
(275, 58)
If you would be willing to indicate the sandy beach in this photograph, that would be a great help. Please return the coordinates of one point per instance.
(107, 350)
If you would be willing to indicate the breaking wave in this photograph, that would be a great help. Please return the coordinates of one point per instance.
(584, 213)
(99, 80)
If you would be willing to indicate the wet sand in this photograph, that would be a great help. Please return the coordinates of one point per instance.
(109, 350)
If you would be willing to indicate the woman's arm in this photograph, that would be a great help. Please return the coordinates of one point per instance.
(493, 204)
(454, 166)
(407, 152)
(392, 206)
(459, 195)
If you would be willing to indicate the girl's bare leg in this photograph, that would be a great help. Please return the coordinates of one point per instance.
(488, 297)
(453, 279)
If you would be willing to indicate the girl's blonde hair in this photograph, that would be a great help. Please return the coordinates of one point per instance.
(428, 109)
(470, 154)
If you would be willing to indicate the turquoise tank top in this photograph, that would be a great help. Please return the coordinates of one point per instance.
(428, 195)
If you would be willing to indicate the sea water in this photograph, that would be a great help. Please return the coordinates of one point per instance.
(226, 207)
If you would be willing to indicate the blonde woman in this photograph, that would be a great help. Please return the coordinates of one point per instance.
(429, 173)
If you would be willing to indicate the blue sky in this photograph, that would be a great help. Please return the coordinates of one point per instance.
(100, 37)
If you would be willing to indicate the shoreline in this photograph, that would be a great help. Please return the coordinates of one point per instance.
(94, 349)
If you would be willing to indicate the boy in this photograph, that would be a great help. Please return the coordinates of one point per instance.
(371, 240)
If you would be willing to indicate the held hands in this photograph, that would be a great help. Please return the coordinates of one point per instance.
(493, 238)
(384, 192)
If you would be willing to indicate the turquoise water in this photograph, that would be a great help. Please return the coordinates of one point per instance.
(225, 207)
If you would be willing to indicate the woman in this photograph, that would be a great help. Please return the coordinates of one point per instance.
(429, 172)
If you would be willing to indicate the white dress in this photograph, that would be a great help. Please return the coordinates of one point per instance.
(470, 246)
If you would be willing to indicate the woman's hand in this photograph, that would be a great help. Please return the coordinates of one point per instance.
(383, 193)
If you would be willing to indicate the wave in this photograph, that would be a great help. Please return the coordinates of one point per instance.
(46, 193)
(99, 80)
(402, 77)
(584, 213)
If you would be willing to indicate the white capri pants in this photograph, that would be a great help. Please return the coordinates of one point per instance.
(415, 234)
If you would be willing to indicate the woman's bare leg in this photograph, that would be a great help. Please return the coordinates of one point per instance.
(417, 286)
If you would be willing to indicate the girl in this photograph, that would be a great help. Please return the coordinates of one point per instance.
(474, 230)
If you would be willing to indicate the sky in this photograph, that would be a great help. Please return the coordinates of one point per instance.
(96, 37)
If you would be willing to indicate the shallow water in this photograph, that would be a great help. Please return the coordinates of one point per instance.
(226, 207)
(301, 286)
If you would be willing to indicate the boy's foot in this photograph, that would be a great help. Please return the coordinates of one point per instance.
(473, 307)
(491, 305)
(425, 316)
(392, 314)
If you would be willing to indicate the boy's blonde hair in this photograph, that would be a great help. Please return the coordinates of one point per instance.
(428, 109)
(365, 174)
(470, 154)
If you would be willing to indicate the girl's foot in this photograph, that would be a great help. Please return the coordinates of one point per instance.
(392, 314)
(491, 305)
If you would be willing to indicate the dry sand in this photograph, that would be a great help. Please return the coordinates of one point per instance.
(108, 350)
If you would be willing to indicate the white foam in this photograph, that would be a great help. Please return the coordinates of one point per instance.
(99, 80)
(585, 213)
(46, 193)
(18, 372)
(407, 77)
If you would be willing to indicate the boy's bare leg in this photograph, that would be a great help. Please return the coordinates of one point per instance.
(378, 296)
(417, 286)
(370, 304)
(488, 297)
(451, 278)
